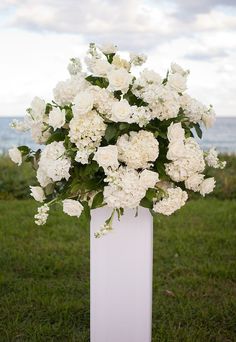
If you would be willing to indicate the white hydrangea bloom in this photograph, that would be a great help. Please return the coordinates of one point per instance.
(65, 91)
(174, 200)
(82, 156)
(212, 160)
(147, 77)
(107, 156)
(103, 100)
(15, 155)
(194, 181)
(138, 149)
(119, 79)
(190, 163)
(53, 164)
(140, 115)
(148, 178)
(207, 186)
(163, 101)
(37, 193)
(57, 118)
(72, 207)
(86, 132)
(193, 109)
(41, 217)
(124, 189)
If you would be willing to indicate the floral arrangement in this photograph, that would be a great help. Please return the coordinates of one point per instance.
(115, 139)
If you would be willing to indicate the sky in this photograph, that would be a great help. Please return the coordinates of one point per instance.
(38, 37)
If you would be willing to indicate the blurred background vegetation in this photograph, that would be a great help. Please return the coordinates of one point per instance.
(15, 181)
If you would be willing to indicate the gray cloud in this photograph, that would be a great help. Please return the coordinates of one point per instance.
(207, 55)
(133, 24)
(189, 8)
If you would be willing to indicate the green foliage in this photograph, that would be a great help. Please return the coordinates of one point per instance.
(44, 283)
(97, 81)
(57, 135)
(198, 130)
(98, 200)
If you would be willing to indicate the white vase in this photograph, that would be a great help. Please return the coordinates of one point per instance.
(121, 278)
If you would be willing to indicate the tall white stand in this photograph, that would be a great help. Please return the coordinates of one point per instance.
(121, 278)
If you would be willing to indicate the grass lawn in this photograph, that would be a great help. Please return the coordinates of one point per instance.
(44, 275)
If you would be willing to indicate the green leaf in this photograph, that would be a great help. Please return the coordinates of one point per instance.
(24, 150)
(98, 200)
(49, 189)
(198, 130)
(111, 132)
(98, 81)
(123, 126)
(150, 194)
(109, 57)
(146, 203)
(48, 108)
(56, 136)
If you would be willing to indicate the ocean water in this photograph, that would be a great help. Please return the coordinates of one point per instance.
(222, 136)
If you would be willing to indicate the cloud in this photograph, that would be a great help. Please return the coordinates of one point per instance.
(44, 34)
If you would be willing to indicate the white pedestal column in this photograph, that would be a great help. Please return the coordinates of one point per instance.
(121, 278)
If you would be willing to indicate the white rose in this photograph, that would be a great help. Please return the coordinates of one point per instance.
(108, 48)
(207, 186)
(57, 118)
(121, 111)
(176, 150)
(149, 178)
(194, 181)
(107, 156)
(72, 207)
(15, 155)
(37, 193)
(177, 82)
(83, 103)
(175, 132)
(119, 80)
(100, 67)
(208, 118)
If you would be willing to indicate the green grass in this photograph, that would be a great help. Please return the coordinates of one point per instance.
(44, 281)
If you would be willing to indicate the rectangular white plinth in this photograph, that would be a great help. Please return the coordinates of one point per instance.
(121, 278)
